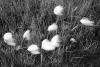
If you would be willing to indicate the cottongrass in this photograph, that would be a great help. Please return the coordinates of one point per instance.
(82, 9)
(73, 40)
(8, 38)
(58, 10)
(53, 27)
(56, 41)
(46, 45)
(51, 45)
(34, 49)
(26, 35)
(87, 22)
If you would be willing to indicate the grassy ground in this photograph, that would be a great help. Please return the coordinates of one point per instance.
(19, 15)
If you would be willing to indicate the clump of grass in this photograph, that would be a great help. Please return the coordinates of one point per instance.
(37, 15)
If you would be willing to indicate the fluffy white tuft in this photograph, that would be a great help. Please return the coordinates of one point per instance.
(87, 22)
(58, 10)
(55, 41)
(26, 35)
(34, 49)
(53, 27)
(46, 45)
(8, 38)
(72, 40)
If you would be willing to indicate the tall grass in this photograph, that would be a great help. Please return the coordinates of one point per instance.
(17, 16)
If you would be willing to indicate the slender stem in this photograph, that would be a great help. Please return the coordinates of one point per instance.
(41, 59)
(74, 27)
(41, 56)
(57, 19)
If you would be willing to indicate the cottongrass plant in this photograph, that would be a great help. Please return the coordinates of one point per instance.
(53, 27)
(51, 45)
(8, 38)
(15, 11)
(46, 45)
(87, 22)
(55, 41)
(34, 49)
(58, 10)
(73, 40)
(26, 35)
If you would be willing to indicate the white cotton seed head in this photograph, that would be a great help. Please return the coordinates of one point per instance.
(8, 38)
(56, 41)
(58, 10)
(34, 49)
(26, 35)
(46, 45)
(53, 27)
(56, 38)
(87, 22)
(72, 40)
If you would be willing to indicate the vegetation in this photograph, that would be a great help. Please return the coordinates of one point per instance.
(17, 16)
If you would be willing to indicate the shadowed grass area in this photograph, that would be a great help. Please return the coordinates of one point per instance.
(17, 16)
